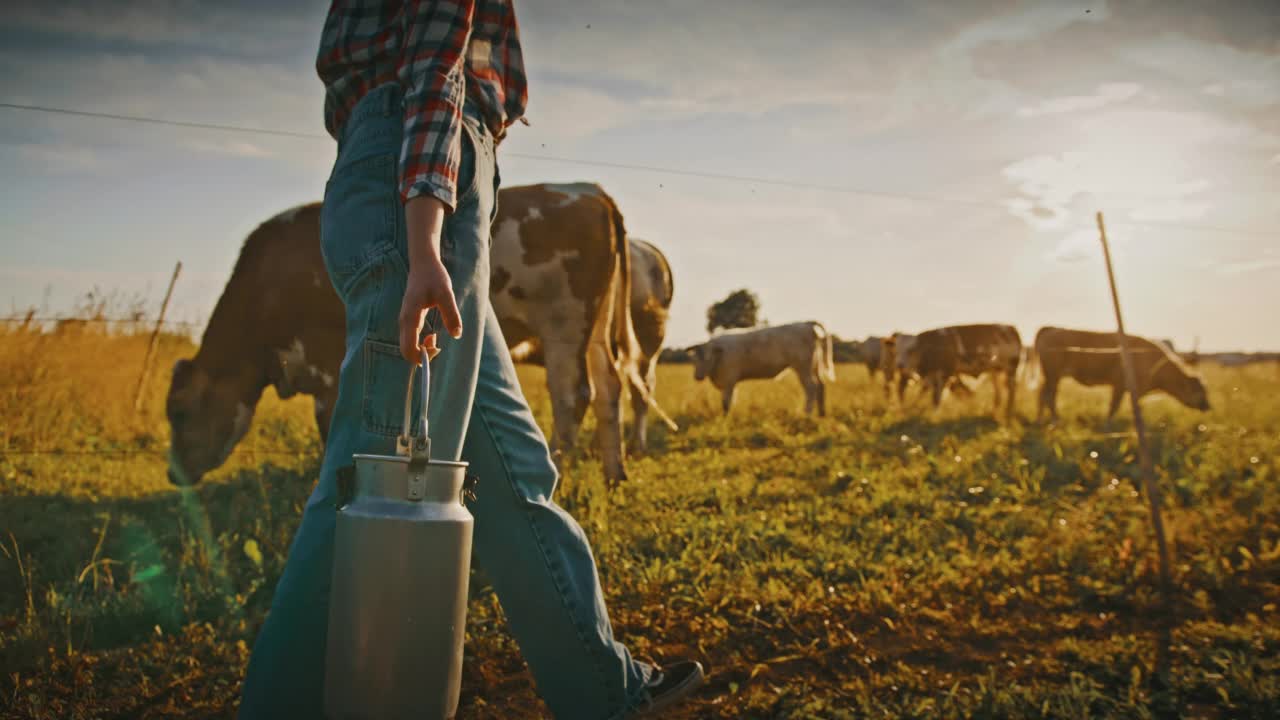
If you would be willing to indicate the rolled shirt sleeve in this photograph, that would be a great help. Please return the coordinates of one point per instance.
(431, 74)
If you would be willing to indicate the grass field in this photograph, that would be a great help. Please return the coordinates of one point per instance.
(878, 562)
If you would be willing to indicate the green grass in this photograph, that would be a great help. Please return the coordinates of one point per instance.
(879, 562)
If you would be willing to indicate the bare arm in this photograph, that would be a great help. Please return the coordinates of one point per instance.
(429, 284)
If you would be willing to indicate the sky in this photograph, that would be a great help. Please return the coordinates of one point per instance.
(960, 151)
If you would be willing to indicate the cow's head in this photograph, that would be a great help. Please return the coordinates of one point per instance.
(906, 353)
(1190, 390)
(1187, 387)
(888, 350)
(705, 359)
(208, 415)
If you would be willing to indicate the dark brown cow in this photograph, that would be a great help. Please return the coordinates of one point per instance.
(941, 356)
(278, 322)
(560, 278)
(1093, 358)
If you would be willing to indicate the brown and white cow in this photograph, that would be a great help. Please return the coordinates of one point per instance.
(652, 290)
(562, 286)
(942, 356)
(763, 354)
(651, 295)
(560, 277)
(1093, 358)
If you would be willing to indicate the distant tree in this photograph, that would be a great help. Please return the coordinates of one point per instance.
(741, 309)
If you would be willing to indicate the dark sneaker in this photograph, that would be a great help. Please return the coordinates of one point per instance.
(668, 686)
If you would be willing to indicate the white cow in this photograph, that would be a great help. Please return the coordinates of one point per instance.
(763, 354)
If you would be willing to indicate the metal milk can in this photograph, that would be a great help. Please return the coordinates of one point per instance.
(401, 562)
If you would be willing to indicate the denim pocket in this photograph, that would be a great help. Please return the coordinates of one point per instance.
(358, 218)
(386, 378)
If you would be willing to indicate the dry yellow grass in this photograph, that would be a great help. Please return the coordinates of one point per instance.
(880, 561)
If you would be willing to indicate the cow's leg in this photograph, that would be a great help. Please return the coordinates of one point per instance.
(570, 390)
(821, 391)
(997, 392)
(640, 409)
(936, 384)
(1048, 398)
(607, 383)
(903, 379)
(726, 397)
(1117, 394)
(1011, 385)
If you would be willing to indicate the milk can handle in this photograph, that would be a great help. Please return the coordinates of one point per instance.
(406, 438)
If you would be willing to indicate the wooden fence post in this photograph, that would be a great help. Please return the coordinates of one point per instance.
(155, 339)
(1152, 491)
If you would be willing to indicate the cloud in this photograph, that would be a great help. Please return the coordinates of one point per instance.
(561, 112)
(1107, 94)
(245, 29)
(193, 89)
(1269, 260)
(879, 67)
(1056, 187)
(1174, 211)
(59, 158)
(1245, 78)
(236, 148)
(1245, 267)
(1076, 246)
(1146, 164)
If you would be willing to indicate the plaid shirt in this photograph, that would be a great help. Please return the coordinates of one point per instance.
(438, 51)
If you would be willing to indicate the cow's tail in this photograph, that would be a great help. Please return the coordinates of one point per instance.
(625, 350)
(828, 354)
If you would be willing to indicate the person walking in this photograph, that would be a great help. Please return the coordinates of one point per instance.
(418, 95)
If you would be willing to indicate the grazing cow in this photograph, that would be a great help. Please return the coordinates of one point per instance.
(893, 362)
(278, 322)
(941, 356)
(560, 276)
(868, 354)
(1093, 358)
(763, 354)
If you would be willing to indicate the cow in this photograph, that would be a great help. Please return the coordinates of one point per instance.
(1093, 358)
(942, 356)
(560, 277)
(651, 295)
(867, 352)
(763, 354)
(652, 289)
(893, 359)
